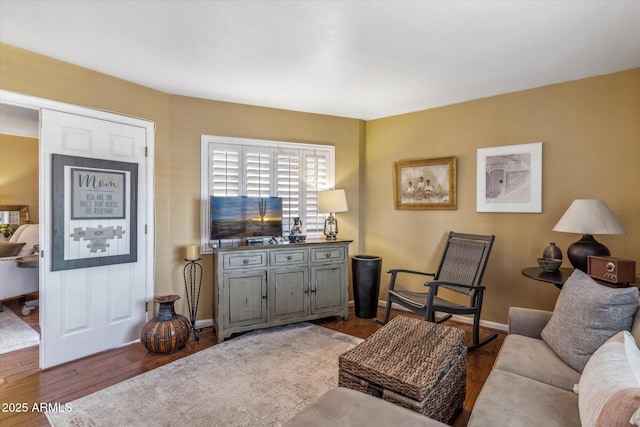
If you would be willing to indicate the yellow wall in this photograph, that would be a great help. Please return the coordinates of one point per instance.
(19, 173)
(590, 131)
(179, 123)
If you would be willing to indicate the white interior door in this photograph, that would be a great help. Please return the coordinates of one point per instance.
(95, 263)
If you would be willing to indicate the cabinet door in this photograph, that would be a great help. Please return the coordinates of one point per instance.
(288, 293)
(328, 288)
(245, 298)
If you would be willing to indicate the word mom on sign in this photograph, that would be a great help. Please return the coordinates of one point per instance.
(97, 194)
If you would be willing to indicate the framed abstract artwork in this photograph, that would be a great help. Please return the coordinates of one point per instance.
(425, 184)
(509, 178)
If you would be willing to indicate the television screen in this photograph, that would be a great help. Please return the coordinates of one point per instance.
(243, 217)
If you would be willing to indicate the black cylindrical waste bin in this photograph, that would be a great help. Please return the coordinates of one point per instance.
(366, 284)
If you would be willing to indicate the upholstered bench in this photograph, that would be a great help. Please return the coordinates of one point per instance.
(416, 364)
(349, 408)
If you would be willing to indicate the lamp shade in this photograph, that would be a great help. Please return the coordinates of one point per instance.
(589, 216)
(332, 201)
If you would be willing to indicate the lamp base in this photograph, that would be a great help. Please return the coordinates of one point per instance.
(331, 227)
(579, 251)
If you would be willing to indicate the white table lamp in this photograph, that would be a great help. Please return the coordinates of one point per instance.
(588, 216)
(331, 201)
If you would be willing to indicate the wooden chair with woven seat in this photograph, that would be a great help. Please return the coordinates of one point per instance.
(461, 269)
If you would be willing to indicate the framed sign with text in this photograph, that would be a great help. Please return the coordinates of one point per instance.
(94, 212)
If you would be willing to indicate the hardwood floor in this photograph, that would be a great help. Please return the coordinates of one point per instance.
(23, 384)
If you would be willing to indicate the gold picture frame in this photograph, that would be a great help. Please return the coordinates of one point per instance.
(426, 184)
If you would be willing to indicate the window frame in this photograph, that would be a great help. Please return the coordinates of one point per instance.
(275, 148)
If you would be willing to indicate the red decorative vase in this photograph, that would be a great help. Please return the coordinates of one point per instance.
(168, 331)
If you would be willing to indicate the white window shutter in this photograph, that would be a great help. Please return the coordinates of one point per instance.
(224, 164)
(295, 172)
(289, 181)
(257, 171)
(316, 179)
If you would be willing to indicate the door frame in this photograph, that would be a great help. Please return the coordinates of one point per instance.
(35, 103)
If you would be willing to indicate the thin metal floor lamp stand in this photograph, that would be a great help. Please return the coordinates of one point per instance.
(192, 274)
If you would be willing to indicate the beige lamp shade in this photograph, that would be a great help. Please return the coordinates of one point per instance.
(589, 216)
(332, 201)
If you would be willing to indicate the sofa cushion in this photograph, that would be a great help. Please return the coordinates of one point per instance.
(585, 316)
(10, 249)
(533, 358)
(510, 400)
(609, 389)
(346, 407)
(635, 328)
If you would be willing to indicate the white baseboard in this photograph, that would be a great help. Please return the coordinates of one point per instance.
(462, 319)
(204, 323)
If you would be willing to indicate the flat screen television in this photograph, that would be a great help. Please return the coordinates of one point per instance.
(245, 217)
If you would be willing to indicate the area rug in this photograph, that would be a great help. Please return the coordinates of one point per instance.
(14, 333)
(261, 378)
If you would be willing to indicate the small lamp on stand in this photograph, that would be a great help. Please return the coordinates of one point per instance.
(588, 216)
(192, 274)
(331, 201)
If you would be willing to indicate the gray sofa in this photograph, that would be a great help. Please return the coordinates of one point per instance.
(529, 383)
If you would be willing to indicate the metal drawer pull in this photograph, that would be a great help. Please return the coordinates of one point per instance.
(289, 257)
(246, 261)
(328, 255)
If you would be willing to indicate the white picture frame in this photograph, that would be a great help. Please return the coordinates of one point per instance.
(509, 178)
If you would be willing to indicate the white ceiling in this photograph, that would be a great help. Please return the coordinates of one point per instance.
(360, 59)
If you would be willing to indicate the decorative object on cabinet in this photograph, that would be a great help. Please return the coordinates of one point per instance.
(192, 274)
(262, 286)
(509, 178)
(168, 331)
(588, 217)
(331, 201)
(425, 184)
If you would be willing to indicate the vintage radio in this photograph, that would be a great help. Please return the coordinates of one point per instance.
(611, 269)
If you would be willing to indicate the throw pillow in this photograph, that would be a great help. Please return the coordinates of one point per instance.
(9, 249)
(585, 316)
(609, 389)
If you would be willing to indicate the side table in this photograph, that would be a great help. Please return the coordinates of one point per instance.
(557, 277)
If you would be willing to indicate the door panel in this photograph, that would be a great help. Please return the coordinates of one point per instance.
(289, 296)
(327, 288)
(91, 309)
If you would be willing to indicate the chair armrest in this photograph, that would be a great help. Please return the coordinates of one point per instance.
(400, 270)
(394, 274)
(437, 283)
(528, 321)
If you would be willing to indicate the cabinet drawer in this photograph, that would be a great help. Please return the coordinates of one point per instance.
(249, 259)
(327, 254)
(299, 256)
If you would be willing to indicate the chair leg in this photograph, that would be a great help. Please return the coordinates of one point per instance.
(481, 343)
(387, 313)
(476, 336)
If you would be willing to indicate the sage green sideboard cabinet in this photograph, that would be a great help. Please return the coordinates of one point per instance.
(268, 285)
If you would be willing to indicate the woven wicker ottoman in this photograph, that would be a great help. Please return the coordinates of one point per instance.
(413, 363)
